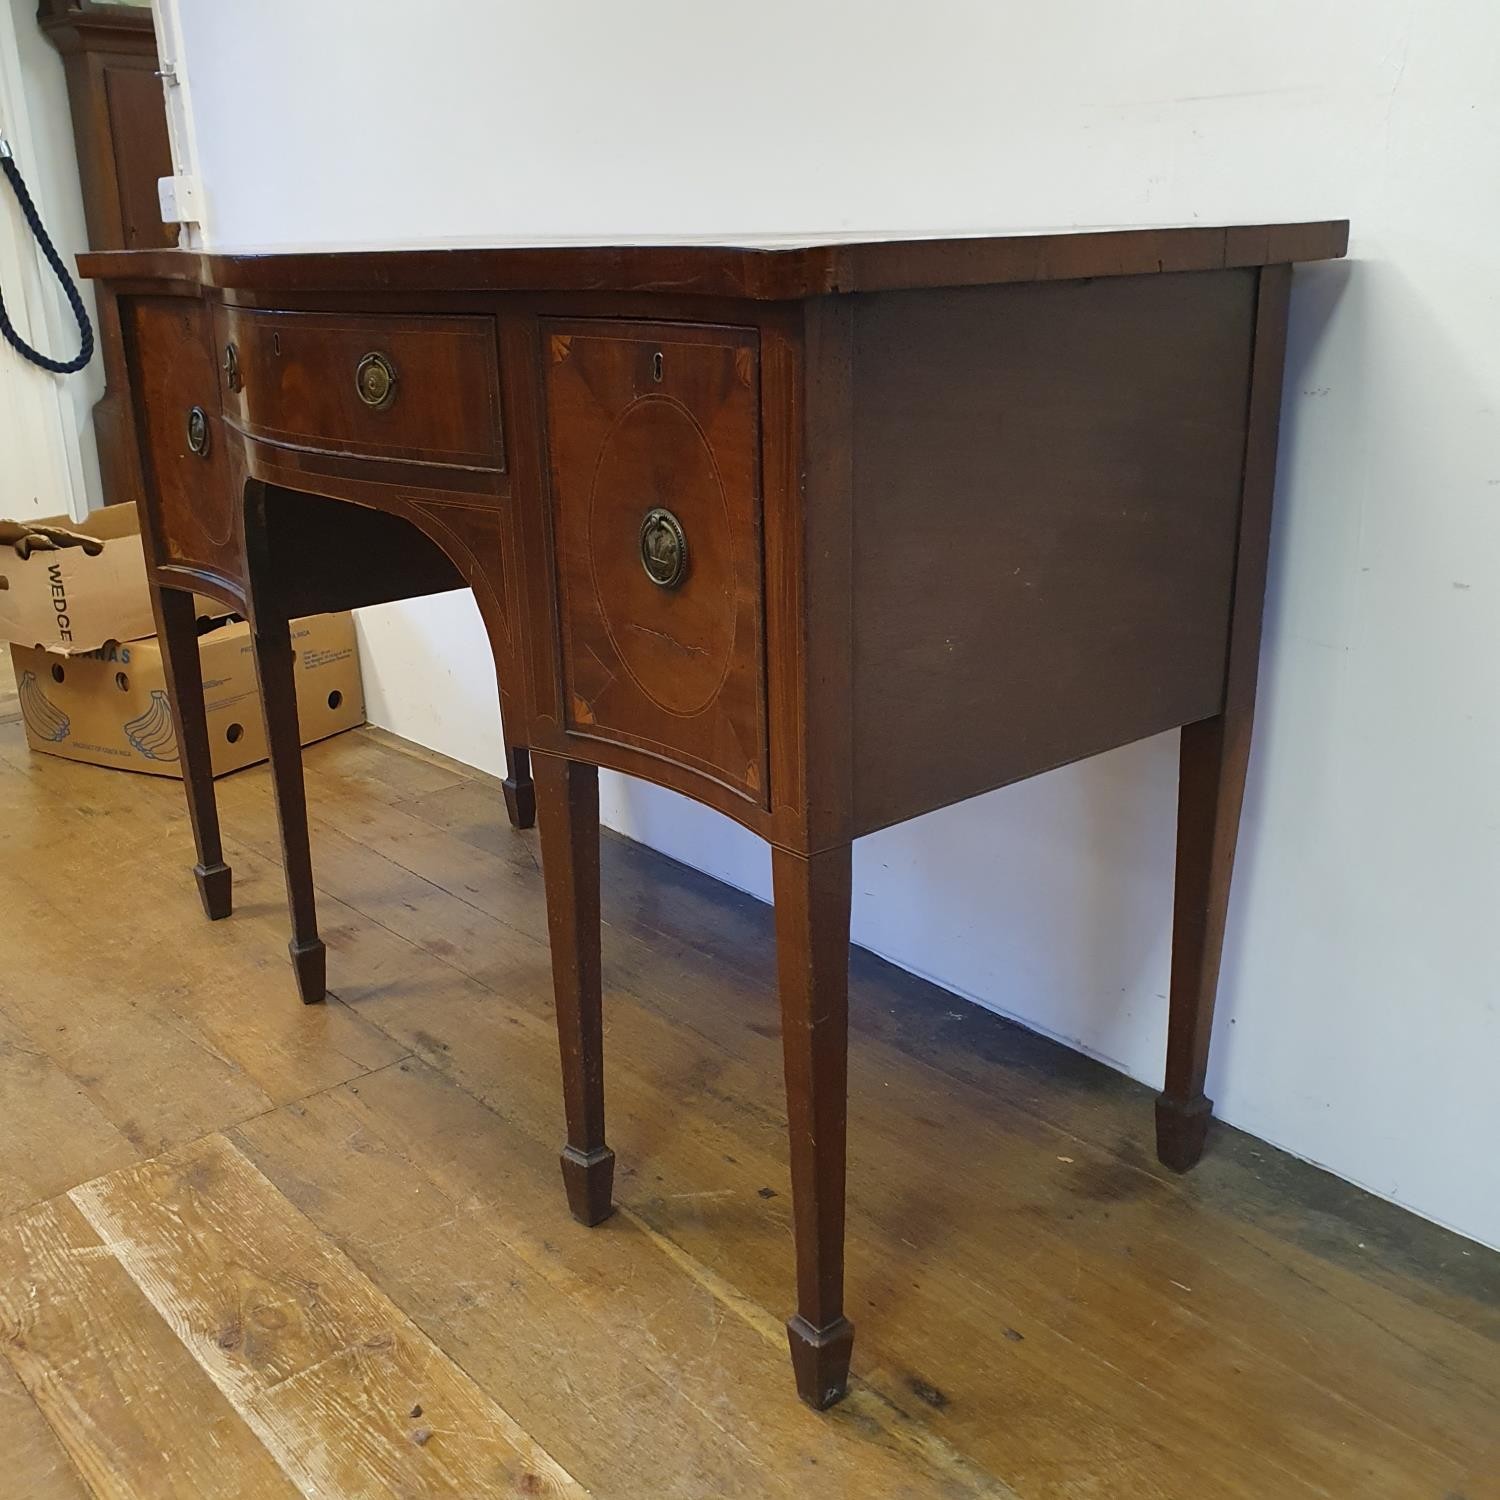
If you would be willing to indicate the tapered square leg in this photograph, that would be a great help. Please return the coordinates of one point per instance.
(568, 810)
(812, 963)
(272, 647)
(1211, 778)
(1214, 758)
(275, 664)
(519, 789)
(177, 630)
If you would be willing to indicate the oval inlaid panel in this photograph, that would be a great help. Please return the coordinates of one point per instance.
(659, 420)
(676, 643)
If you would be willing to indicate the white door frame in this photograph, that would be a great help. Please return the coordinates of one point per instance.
(178, 93)
(46, 435)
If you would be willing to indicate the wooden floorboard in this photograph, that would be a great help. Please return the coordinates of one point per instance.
(344, 1391)
(457, 1213)
(1042, 1311)
(55, 1134)
(171, 1026)
(137, 1416)
(36, 1463)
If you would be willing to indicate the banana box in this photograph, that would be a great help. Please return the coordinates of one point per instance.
(74, 598)
(110, 707)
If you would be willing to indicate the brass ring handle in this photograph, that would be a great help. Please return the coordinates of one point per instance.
(375, 380)
(664, 548)
(198, 431)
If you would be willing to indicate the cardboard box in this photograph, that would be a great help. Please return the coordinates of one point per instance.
(109, 707)
(71, 602)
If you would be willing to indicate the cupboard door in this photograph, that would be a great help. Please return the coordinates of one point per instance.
(654, 459)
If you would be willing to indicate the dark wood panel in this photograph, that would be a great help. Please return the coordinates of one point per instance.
(347, 544)
(1047, 482)
(297, 384)
(756, 272)
(141, 151)
(114, 414)
(119, 120)
(192, 510)
(644, 420)
(330, 555)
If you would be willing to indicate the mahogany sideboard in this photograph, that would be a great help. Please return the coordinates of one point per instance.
(824, 536)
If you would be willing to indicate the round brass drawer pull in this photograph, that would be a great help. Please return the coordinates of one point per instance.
(664, 549)
(375, 380)
(198, 431)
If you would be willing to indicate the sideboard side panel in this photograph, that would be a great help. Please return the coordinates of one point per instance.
(1047, 492)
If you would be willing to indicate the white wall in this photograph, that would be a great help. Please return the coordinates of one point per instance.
(1360, 1014)
(50, 465)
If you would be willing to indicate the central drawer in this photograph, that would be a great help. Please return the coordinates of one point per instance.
(410, 388)
(653, 434)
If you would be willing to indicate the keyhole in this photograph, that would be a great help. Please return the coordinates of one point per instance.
(656, 367)
(276, 343)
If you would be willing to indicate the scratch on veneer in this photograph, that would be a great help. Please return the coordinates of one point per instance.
(670, 639)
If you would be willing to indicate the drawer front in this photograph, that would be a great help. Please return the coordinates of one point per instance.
(188, 488)
(414, 389)
(654, 456)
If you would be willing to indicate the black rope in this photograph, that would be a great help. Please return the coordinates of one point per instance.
(85, 330)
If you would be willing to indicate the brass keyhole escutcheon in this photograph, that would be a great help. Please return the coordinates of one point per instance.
(375, 380)
(198, 431)
(664, 550)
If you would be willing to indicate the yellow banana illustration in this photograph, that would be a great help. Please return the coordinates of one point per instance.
(45, 720)
(151, 733)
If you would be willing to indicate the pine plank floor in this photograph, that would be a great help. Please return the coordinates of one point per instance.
(252, 1249)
